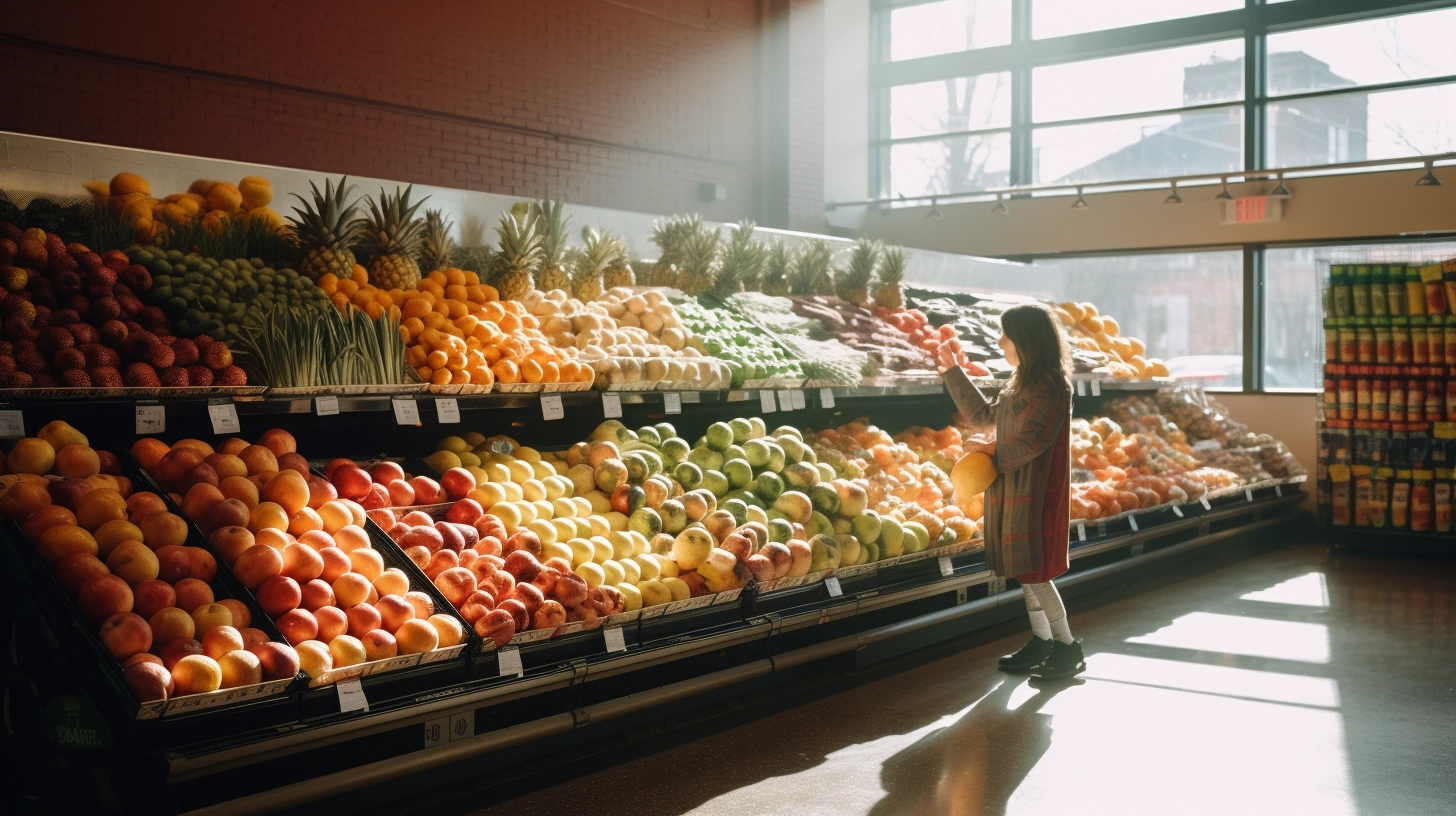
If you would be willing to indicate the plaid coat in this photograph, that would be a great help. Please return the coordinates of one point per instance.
(1028, 507)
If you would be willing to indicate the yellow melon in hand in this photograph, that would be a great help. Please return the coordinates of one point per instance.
(972, 474)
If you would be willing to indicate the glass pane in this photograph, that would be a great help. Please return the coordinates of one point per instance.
(955, 164)
(1056, 18)
(1358, 126)
(1412, 46)
(1153, 80)
(1174, 145)
(1187, 307)
(947, 26)
(950, 105)
(1293, 339)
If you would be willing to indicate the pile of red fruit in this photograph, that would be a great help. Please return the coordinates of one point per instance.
(71, 317)
(940, 342)
(385, 484)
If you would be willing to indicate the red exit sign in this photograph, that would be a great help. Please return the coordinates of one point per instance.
(1251, 210)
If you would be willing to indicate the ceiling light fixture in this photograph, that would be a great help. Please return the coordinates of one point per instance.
(1000, 208)
(1080, 203)
(1225, 195)
(934, 210)
(1280, 191)
(1429, 179)
(1173, 197)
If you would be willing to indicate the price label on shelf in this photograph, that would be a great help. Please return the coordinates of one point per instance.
(12, 424)
(551, 407)
(796, 398)
(832, 584)
(616, 641)
(786, 400)
(447, 410)
(1177, 511)
(326, 405)
(1132, 522)
(672, 403)
(692, 396)
(611, 405)
(1248, 495)
(224, 416)
(1081, 532)
(1096, 388)
(947, 569)
(1279, 491)
(351, 695)
(509, 660)
(1203, 500)
(151, 418)
(766, 402)
(406, 412)
(826, 397)
(1081, 388)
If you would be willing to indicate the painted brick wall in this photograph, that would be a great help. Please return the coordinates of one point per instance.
(627, 104)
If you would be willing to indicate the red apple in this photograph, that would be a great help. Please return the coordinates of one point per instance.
(457, 483)
(279, 594)
(427, 490)
(498, 625)
(280, 661)
(386, 471)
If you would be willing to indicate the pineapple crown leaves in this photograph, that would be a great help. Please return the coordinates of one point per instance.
(864, 258)
(477, 259)
(437, 241)
(553, 230)
(743, 259)
(670, 233)
(777, 263)
(700, 249)
(520, 238)
(810, 274)
(599, 251)
(391, 227)
(891, 268)
(330, 219)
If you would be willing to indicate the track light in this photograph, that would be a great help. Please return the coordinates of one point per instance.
(1173, 197)
(1280, 191)
(934, 210)
(1225, 195)
(1080, 203)
(1429, 179)
(1000, 208)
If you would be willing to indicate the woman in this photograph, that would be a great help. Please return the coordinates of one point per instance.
(1028, 506)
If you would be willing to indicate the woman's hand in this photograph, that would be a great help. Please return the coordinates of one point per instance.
(985, 443)
(945, 357)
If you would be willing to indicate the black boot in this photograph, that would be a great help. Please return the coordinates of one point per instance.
(1065, 660)
(1035, 651)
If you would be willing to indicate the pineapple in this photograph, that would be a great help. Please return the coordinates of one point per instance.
(742, 261)
(520, 252)
(552, 274)
(890, 273)
(435, 251)
(393, 233)
(591, 262)
(325, 229)
(619, 268)
(811, 272)
(699, 264)
(853, 282)
(477, 259)
(776, 266)
(669, 235)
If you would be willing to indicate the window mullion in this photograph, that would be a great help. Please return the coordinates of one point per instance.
(1021, 90)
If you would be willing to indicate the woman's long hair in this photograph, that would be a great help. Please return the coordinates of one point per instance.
(1039, 344)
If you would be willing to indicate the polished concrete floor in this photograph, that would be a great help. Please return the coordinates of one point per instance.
(1288, 682)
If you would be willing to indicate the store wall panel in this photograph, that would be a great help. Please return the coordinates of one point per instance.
(621, 103)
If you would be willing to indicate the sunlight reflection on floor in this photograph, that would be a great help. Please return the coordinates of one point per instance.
(1233, 634)
(1306, 590)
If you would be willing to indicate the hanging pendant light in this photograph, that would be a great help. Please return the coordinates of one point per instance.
(1225, 195)
(1080, 203)
(1000, 208)
(1429, 179)
(1173, 197)
(934, 210)
(1280, 191)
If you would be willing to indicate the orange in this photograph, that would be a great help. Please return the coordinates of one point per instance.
(440, 376)
(305, 520)
(162, 529)
(334, 515)
(224, 197)
(78, 461)
(52, 515)
(200, 500)
(59, 542)
(289, 490)
(238, 487)
(233, 446)
(113, 533)
(195, 444)
(268, 515)
(98, 507)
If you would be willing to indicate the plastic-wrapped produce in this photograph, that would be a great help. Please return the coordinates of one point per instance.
(753, 357)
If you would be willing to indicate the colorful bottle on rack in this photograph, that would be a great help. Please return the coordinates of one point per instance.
(1400, 499)
(1448, 279)
(1360, 291)
(1435, 289)
(1340, 291)
(1422, 510)
(1379, 307)
(1415, 292)
(1395, 290)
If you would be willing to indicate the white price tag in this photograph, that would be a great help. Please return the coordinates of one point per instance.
(1081, 388)
(150, 418)
(326, 405)
(509, 660)
(947, 569)
(224, 418)
(351, 695)
(786, 400)
(1279, 491)
(692, 396)
(616, 642)
(1132, 522)
(832, 584)
(1248, 495)
(796, 399)
(406, 412)
(437, 731)
(12, 424)
(1203, 500)
(826, 397)
(766, 402)
(551, 407)
(1177, 511)
(672, 403)
(447, 410)
(1096, 388)
(611, 405)
(1081, 532)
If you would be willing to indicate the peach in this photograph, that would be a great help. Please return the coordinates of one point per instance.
(175, 465)
(258, 459)
(428, 491)
(54, 515)
(400, 493)
(59, 542)
(148, 451)
(570, 589)
(231, 542)
(252, 636)
(334, 514)
(78, 568)
(456, 483)
(239, 488)
(314, 658)
(332, 622)
(417, 518)
(305, 520)
(525, 541)
(522, 565)
(367, 562)
(419, 556)
(171, 624)
(279, 660)
(143, 503)
(192, 593)
(448, 629)
(316, 539)
(320, 491)
(441, 561)
(200, 500)
(450, 537)
(316, 593)
(232, 446)
(302, 562)
(178, 649)
(225, 465)
(465, 511)
(141, 657)
(257, 564)
(393, 610)
(530, 597)
(475, 607)
(362, 617)
(424, 605)
(297, 625)
(351, 481)
(423, 536)
(150, 596)
(196, 674)
(133, 562)
(277, 539)
(347, 650)
(203, 564)
(376, 498)
(125, 634)
(148, 681)
(489, 545)
(193, 444)
(242, 616)
(103, 596)
(351, 588)
(392, 581)
(219, 640)
(279, 441)
(173, 563)
(336, 563)
(210, 616)
(78, 461)
(268, 515)
(386, 471)
(225, 513)
(498, 626)
(294, 461)
(416, 636)
(549, 616)
(456, 584)
(68, 492)
(199, 474)
(468, 557)
(379, 645)
(240, 667)
(351, 537)
(278, 595)
(161, 529)
(24, 498)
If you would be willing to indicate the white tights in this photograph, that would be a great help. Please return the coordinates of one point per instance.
(1048, 615)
